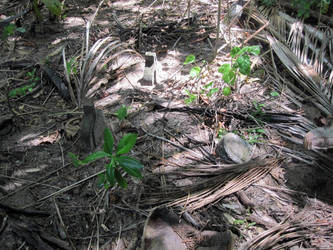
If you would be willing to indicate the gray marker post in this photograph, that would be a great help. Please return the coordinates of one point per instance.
(149, 73)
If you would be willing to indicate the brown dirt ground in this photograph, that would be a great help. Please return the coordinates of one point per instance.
(33, 154)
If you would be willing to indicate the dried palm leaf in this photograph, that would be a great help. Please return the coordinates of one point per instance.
(297, 50)
(289, 233)
(217, 183)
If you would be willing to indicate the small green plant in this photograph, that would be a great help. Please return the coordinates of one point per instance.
(241, 64)
(304, 7)
(54, 6)
(72, 66)
(274, 94)
(259, 108)
(244, 222)
(195, 72)
(117, 160)
(33, 80)
(191, 97)
(209, 89)
(221, 132)
(10, 30)
(324, 6)
(122, 112)
(255, 135)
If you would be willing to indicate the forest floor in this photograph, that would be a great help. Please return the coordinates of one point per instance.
(48, 203)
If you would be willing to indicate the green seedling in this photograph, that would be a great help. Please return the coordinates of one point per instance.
(274, 94)
(54, 6)
(241, 64)
(244, 222)
(255, 135)
(304, 7)
(324, 6)
(209, 89)
(221, 132)
(117, 160)
(72, 66)
(122, 113)
(33, 80)
(191, 97)
(10, 30)
(259, 108)
(195, 71)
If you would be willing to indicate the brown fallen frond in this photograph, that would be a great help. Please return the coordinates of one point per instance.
(212, 185)
(289, 233)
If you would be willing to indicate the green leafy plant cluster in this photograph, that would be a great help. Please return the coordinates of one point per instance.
(305, 6)
(241, 64)
(244, 222)
(208, 90)
(54, 7)
(33, 80)
(195, 71)
(118, 161)
(255, 135)
(10, 30)
(122, 112)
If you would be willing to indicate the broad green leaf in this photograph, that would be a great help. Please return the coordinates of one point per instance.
(189, 59)
(275, 94)
(108, 141)
(121, 181)
(126, 143)
(212, 91)
(225, 68)
(195, 72)
(95, 156)
(122, 112)
(234, 51)
(75, 160)
(244, 64)
(130, 165)
(229, 77)
(226, 91)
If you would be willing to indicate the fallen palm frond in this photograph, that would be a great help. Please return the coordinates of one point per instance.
(219, 181)
(310, 66)
(306, 52)
(290, 233)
